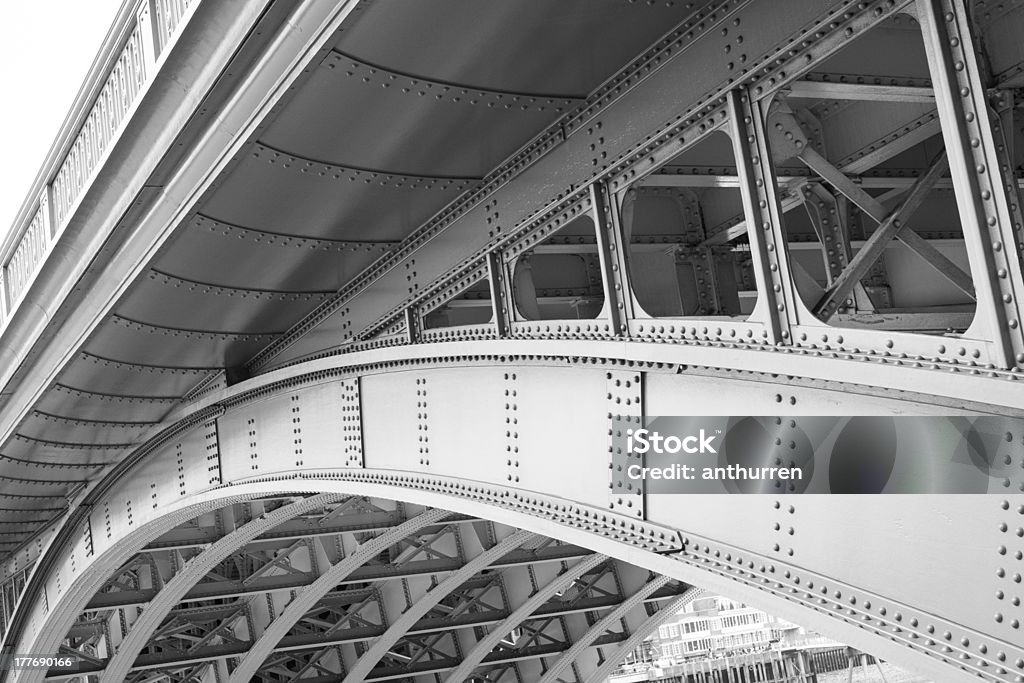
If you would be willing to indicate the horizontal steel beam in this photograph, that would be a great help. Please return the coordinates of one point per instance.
(312, 641)
(221, 590)
(290, 531)
(824, 90)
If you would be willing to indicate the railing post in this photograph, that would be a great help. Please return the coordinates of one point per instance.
(982, 173)
(146, 21)
(46, 212)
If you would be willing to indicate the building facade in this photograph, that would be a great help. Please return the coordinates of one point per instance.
(717, 626)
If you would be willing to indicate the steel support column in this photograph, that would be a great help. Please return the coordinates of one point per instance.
(777, 294)
(613, 248)
(980, 169)
(498, 279)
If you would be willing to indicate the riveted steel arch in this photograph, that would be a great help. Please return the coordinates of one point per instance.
(678, 540)
(256, 290)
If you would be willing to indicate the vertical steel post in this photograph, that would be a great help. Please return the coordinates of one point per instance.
(413, 325)
(501, 297)
(981, 170)
(776, 293)
(612, 247)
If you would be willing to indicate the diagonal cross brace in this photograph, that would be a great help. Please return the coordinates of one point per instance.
(306, 599)
(889, 228)
(382, 645)
(877, 211)
(491, 640)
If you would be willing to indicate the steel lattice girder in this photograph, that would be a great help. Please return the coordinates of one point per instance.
(487, 381)
(575, 591)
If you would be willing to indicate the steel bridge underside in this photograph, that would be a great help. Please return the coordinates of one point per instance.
(319, 376)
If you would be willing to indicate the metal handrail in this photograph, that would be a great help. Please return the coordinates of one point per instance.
(119, 74)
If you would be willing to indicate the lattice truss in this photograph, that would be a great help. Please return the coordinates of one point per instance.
(506, 605)
(868, 213)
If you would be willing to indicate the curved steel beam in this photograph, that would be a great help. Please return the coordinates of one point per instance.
(426, 602)
(141, 326)
(269, 237)
(369, 175)
(254, 293)
(601, 674)
(150, 368)
(85, 422)
(521, 614)
(173, 592)
(359, 67)
(598, 629)
(72, 446)
(307, 598)
(49, 463)
(118, 398)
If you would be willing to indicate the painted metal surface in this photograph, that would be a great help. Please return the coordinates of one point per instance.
(279, 316)
(830, 538)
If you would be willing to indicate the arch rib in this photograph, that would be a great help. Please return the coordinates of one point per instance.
(602, 672)
(306, 599)
(595, 632)
(494, 636)
(402, 625)
(168, 598)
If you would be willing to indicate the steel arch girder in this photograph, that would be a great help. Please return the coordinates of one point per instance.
(523, 612)
(753, 565)
(279, 627)
(293, 644)
(401, 625)
(169, 597)
(602, 672)
(582, 643)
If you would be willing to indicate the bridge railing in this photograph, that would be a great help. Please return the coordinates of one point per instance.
(119, 75)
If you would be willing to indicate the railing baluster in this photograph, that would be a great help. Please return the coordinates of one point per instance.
(155, 23)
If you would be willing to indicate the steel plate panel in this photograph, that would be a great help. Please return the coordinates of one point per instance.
(317, 427)
(42, 426)
(67, 403)
(280, 194)
(266, 436)
(563, 431)
(108, 376)
(145, 343)
(193, 306)
(391, 406)
(212, 253)
(392, 131)
(563, 47)
(466, 420)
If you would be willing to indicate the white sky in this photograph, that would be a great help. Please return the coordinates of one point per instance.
(46, 48)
